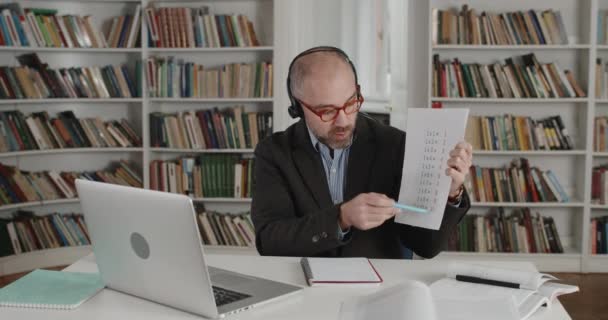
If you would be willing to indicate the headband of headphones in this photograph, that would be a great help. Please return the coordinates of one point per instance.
(295, 109)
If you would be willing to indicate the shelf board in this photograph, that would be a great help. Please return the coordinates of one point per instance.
(602, 47)
(530, 152)
(223, 49)
(223, 200)
(42, 259)
(595, 263)
(93, 1)
(600, 154)
(511, 47)
(570, 261)
(599, 206)
(511, 100)
(573, 204)
(16, 206)
(212, 100)
(174, 150)
(68, 100)
(71, 50)
(222, 247)
(569, 253)
(67, 150)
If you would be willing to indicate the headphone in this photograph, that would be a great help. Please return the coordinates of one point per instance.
(295, 109)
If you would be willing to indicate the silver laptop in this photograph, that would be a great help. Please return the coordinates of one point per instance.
(147, 244)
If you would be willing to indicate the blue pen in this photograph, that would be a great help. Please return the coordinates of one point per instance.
(410, 208)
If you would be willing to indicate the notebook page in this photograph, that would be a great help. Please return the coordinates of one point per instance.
(51, 289)
(342, 270)
(449, 288)
(552, 290)
(526, 279)
(495, 308)
(431, 135)
(406, 300)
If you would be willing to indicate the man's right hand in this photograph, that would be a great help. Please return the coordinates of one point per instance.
(366, 211)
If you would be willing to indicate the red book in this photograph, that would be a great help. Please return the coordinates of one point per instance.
(529, 180)
(7, 173)
(529, 231)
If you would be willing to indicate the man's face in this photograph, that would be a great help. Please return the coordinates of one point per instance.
(329, 88)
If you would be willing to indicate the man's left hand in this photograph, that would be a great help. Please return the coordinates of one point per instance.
(459, 163)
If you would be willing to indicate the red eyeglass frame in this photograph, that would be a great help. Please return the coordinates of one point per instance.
(358, 99)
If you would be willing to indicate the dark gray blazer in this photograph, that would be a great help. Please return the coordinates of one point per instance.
(292, 208)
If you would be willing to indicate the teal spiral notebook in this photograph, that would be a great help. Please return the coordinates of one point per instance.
(51, 290)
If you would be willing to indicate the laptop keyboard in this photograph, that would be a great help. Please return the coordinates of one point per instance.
(225, 296)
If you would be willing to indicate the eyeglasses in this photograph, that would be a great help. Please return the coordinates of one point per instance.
(330, 112)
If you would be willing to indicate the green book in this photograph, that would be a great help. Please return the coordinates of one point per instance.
(51, 290)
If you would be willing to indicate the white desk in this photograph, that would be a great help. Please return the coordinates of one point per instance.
(312, 303)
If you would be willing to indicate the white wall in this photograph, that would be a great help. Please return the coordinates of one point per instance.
(349, 25)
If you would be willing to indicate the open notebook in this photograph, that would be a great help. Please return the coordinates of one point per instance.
(527, 291)
(451, 299)
(51, 290)
(344, 271)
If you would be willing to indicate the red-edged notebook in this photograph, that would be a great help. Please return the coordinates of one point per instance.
(330, 271)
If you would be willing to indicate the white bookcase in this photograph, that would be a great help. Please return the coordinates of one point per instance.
(276, 32)
(136, 110)
(573, 167)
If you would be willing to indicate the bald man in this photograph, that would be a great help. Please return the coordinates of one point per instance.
(326, 186)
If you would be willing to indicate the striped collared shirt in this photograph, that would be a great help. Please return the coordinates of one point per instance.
(335, 171)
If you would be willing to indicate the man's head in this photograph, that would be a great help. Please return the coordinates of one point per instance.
(321, 81)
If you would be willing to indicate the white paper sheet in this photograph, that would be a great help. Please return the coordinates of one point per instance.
(530, 280)
(406, 300)
(495, 308)
(463, 300)
(431, 135)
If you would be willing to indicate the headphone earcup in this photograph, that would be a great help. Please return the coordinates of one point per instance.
(293, 112)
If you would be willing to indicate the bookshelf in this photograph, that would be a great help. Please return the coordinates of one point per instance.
(136, 110)
(573, 167)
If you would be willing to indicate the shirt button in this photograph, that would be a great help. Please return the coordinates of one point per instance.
(315, 238)
(333, 170)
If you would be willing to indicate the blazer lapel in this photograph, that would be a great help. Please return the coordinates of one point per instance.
(360, 160)
(308, 163)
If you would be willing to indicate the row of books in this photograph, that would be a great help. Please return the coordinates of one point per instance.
(179, 27)
(225, 229)
(519, 232)
(38, 131)
(530, 27)
(599, 235)
(124, 31)
(602, 27)
(509, 132)
(35, 80)
(209, 175)
(601, 79)
(231, 128)
(45, 27)
(18, 186)
(528, 79)
(517, 183)
(26, 232)
(600, 136)
(599, 184)
(175, 78)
